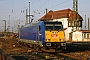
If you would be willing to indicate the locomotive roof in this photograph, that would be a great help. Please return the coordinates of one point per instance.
(54, 22)
(34, 24)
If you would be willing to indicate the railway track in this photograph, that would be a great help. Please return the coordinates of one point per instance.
(31, 54)
(42, 55)
(45, 55)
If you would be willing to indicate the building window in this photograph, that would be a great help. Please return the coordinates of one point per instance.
(75, 23)
(70, 23)
(79, 23)
(84, 35)
(87, 35)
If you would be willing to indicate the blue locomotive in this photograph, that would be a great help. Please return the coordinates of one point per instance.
(34, 34)
(44, 34)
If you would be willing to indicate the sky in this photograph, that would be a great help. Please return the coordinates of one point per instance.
(15, 10)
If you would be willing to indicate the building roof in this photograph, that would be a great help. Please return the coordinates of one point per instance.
(85, 31)
(66, 13)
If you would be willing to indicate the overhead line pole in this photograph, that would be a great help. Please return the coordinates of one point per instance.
(46, 10)
(26, 17)
(29, 13)
(85, 22)
(5, 25)
(9, 24)
(75, 9)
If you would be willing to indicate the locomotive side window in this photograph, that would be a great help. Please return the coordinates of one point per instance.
(39, 28)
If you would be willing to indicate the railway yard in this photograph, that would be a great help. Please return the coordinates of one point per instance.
(11, 46)
(60, 34)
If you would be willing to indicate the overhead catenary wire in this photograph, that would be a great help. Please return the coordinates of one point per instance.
(43, 4)
(34, 1)
(40, 7)
(54, 5)
(21, 6)
(59, 4)
(21, 11)
(85, 11)
(24, 8)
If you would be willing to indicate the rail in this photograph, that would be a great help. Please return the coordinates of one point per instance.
(4, 56)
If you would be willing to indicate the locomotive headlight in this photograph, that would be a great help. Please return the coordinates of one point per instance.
(54, 33)
(34, 41)
(47, 39)
(42, 45)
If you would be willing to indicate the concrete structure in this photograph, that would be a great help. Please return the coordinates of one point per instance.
(80, 36)
(67, 17)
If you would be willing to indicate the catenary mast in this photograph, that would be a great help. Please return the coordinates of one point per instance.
(75, 8)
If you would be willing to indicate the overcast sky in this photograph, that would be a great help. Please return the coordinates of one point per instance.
(16, 9)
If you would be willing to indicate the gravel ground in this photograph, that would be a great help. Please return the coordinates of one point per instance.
(83, 55)
(10, 45)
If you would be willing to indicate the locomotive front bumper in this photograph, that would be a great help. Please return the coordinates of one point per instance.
(55, 43)
(48, 44)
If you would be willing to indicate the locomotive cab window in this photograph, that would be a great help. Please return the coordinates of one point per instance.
(49, 26)
(58, 27)
(53, 25)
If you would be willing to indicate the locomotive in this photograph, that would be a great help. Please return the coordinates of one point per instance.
(49, 35)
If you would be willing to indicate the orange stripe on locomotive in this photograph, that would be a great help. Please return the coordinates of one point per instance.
(54, 36)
